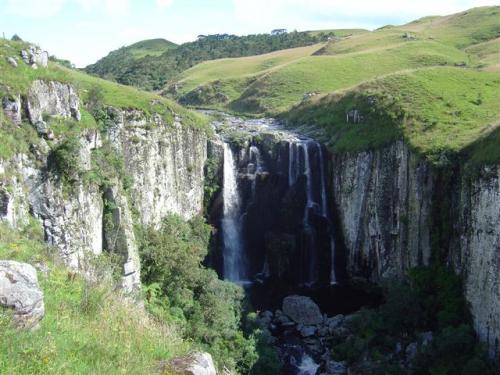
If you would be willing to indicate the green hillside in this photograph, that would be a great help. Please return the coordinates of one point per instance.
(406, 63)
(152, 72)
(440, 111)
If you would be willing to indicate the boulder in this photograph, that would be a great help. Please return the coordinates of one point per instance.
(302, 310)
(19, 290)
(52, 99)
(12, 61)
(192, 364)
(336, 368)
(35, 57)
(307, 331)
(12, 108)
(334, 322)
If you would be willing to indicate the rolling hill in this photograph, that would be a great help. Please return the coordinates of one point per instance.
(431, 78)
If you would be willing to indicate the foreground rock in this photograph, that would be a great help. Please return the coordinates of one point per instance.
(302, 310)
(20, 291)
(191, 364)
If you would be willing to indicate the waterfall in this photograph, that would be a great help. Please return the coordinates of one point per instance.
(291, 162)
(294, 171)
(324, 213)
(234, 261)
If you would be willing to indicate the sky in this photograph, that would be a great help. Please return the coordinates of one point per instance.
(83, 31)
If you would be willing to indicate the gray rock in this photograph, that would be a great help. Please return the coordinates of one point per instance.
(334, 322)
(41, 128)
(411, 351)
(341, 332)
(336, 368)
(35, 57)
(12, 61)
(52, 99)
(323, 331)
(12, 108)
(302, 310)
(192, 364)
(307, 331)
(20, 291)
(426, 338)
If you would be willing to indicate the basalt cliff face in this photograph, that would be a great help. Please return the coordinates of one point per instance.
(163, 158)
(396, 211)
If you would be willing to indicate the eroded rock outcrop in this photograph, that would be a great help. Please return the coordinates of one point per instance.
(384, 201)
(35, 57)
(82, 219)
(52, 99)
(165, 162)
(19, 290)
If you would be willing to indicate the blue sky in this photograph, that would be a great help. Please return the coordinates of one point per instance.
(85, 30)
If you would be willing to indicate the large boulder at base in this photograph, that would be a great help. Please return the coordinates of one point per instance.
(302, 310)
(191, 364)
(19, 290)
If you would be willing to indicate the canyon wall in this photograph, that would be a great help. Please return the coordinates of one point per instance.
(394, 207)
(164, 160)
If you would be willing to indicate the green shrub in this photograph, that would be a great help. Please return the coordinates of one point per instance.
(178, 288)
(64, 160)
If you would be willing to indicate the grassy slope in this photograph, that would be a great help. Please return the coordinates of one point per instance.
(242, 67)
(87, 329)
(349, 62)
(18, 80)
(438, 110)
(439, 101)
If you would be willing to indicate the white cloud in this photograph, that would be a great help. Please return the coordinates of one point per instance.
(117, 7)
(34, 8)
(164, 3)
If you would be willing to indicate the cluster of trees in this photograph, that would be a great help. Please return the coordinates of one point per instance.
(430, 299)
(206, 309)
(152, 72)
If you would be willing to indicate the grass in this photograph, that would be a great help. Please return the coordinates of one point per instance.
(233, 70)
(436, 79)
(439, 111)
(18, 80)
(280, 89)
(151, 47)
(486, 55)
(339, 32)
(87, 329)
(273, 83)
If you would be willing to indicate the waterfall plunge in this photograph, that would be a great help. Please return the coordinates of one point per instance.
(294, 170)
(234, 261)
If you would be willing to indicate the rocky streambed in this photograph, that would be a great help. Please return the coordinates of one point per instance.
(305, 338)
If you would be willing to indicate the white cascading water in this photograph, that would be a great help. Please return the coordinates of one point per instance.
(312, 276)
(234, 262)
(307, 366)
(324, 213)
(293, 172)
